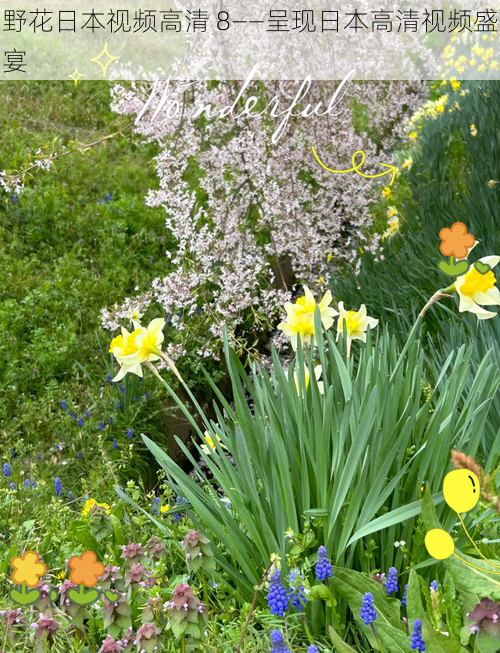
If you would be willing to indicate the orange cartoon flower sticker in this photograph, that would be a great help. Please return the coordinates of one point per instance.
(456, 241)
(85, 569)
(27, 569)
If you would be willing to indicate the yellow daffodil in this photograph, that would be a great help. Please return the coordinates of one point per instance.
(408, 163)
(92, 503)
(392, 211)
(307, 377)
(491, 183)
(132, 349)
(354, 324)
(475, 289)
(296, 324)
(494, 65)
(27, 569)
(454, 84)
(300, 316)
(473, 130)
(210, 444)
(307, 304)
(387, 193)
(413, 135)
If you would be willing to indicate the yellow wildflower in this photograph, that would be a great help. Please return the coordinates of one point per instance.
(408, 163)
(474, 288)
(329, 257)
(60, 576)
(164, 509)
(387, 193)
(92, 503)
(413, 135)
(320, 281)
(473, 130)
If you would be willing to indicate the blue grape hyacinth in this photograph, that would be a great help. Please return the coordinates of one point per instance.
(58, 486)
(277, 598)
(368, 612)
(323, 565)
(392, 581)
(416, 640)
(434, 585)
(278, 642)
(403, 602)
(312, 649)
(296, 594)
(6, 470)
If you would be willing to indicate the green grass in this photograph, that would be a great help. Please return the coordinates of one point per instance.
(64, 255)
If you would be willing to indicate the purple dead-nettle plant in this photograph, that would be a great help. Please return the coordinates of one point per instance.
(261, 216)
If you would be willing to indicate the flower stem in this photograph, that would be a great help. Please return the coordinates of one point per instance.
(379, 643)
(440, 294)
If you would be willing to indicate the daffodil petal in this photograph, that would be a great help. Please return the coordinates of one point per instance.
(492, 261)
(489, 298)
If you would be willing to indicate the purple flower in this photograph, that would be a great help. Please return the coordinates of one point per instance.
(485, 616)
(110, 645)
(277, 598)
(278, 643)
(63, 404)
(46, 624)
(129, 433)
(58, 486)
(108, 197)
(101, 426)
(403, 602)
(312, 649)
(323, 565)
(416, 641)
(80, 421)
(6, 470)
(132, 552)
(434, 585)
(156, 547)
(12, 486)
(14, 198)
(368, 612)
(115, 444)
(392, 581)
(134, 574)
(146, 633)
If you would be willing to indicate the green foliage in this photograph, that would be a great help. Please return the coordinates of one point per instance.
(447, 183)
(359, 453)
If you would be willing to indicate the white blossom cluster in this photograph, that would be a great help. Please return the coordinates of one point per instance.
(252, 219)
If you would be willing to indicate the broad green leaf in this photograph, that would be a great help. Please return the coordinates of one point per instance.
(474, 575)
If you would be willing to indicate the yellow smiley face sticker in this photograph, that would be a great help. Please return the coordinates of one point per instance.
(461, 490)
